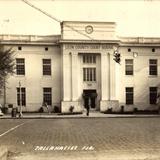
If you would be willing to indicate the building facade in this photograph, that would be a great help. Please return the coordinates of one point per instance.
(77, 68)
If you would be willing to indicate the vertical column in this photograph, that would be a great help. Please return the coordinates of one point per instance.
(112, 78)
(105, 77)
(66, 77)
(108, 79)
(75, 74)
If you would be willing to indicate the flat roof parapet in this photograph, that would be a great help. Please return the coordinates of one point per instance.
(30, 38)
(140, 40)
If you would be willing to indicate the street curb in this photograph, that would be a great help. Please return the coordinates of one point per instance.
(3, 153)
(83, 117)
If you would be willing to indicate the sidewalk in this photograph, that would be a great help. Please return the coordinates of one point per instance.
(91, 115)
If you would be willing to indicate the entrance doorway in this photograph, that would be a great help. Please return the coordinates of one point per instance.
(92, 95)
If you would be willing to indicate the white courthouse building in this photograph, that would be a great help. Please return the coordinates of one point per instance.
(77, 66)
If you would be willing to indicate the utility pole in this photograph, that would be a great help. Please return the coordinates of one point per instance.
(20, 101)
(4, 88)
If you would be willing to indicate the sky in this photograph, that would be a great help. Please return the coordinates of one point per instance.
(137, 18)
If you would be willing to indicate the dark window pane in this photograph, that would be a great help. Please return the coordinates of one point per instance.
(47, 96)
(89, 58)
(23, 96)
(20, 60)
(89, 74)
(129, 66)
(46, 70)
(153, 89)
(153, 95)
(84, 76)
(153, 67)
(94, 59)
(153, 61)
(153, 70)
(129, 72)
(129, 89)
(47, 90)
(129, 61)
(46, 66)
(129, 95)
(84, 60)
(20, 66)
(94, 75)
(46, 61)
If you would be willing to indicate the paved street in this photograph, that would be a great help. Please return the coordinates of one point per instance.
(78, 138)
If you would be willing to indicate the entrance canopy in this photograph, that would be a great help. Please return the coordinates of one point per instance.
(89, 93)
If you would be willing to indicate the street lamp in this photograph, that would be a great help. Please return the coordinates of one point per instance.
(135, 54)
(4, 88)
(20, 101)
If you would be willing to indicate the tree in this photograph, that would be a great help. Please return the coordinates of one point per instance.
(7, 64)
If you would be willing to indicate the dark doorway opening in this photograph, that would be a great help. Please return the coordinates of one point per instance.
(92, 95)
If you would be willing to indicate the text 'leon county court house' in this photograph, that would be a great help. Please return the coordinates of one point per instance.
(77, 66)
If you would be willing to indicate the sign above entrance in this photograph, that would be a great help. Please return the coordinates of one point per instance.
(86, 46)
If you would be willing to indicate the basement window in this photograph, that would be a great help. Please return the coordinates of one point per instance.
(46, 48)
(19, 48)
(129, 50)
(153, 49)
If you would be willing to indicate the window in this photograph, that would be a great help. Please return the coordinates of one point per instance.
(46, 66)
(20, 66)
(129, 50)
(153, 95)
(19, 48)
(89, 74)
(153, 49)
(46, 48)
(129, 66)
(47, 95)
(88, 58)
(153, 67)
(129, 95)
(21, 96)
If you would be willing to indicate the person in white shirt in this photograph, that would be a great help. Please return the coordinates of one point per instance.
(1, 114)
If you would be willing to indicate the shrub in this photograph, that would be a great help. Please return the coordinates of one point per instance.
(4, 110)
(122, 109)
(135, 110)
(71, 109)
(56, 109)
(41, 110)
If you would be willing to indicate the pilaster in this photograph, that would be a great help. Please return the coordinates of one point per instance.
(75, 80)
(105, 76)
(70, 83)
(112, 75)
(66, 77)
(108, 85)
